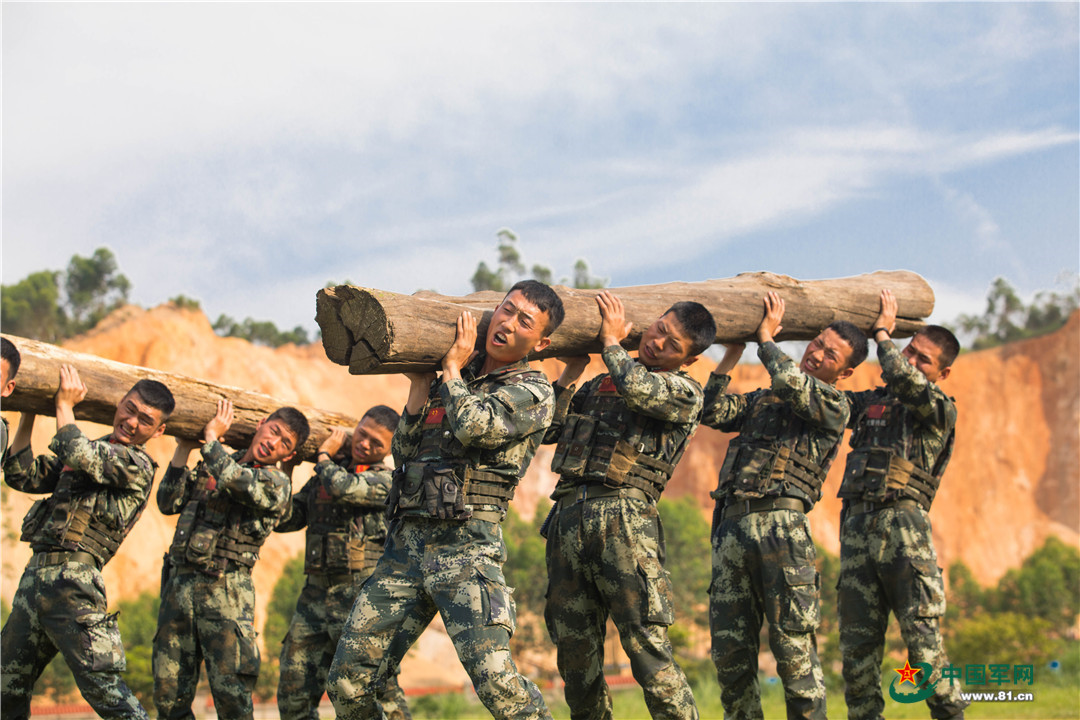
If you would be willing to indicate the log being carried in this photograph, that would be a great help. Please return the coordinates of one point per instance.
(196, 400)
(374, 331)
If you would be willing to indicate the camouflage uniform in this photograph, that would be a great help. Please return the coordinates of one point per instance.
(342, 506)
(887, 558)
(458, 462)
(98, 491)
(227, 509)
(763, 553)
(619, 440)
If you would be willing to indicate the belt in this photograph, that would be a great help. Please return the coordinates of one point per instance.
(860, 508)
(739, 508)
(492, 516)
(323, 580)
(44, 559)
(593, 491)
(187, 568)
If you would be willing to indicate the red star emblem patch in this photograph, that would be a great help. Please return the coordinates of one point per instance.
(907, 673)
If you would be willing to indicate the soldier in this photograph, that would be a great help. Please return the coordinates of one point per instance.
(461, 447)
(619, 439)
(9, 368)
(901, 442)
(763, 554)
(343, 508)
(228, 505)
(98, 489)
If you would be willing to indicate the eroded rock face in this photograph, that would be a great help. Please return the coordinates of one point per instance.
(1014, 477)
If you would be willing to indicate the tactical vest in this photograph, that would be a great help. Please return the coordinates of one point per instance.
(81, 515)
(342, 537)
(452, 485)
(208, 533)
(880, 466)
(768, 458)
(609, 443)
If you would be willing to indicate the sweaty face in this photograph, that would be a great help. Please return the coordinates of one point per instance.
(664, 344)
(135, 422)
(516, 329)
(273, 442)
(826, 358)
(925, 356)
(370, 442)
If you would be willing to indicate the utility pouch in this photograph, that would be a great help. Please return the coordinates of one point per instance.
(451, 496)
(409, 480)
(201, 545)
(753, 472)
(34, 519)
(864, 476)
(336, 552)
(575, 442)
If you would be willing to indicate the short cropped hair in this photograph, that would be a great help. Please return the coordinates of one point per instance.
(156, 395)
(544, 298)
(384, 416)
(10, 353)
(697, 323)
(295, 421)
(854, 337)
(944, 339)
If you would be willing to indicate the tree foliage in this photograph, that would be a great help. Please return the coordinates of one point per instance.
(31, 307)
(510, 268)
(260, 332)
(1007, 318)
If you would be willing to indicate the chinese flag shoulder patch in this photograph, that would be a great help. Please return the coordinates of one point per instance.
(435, 416)
(875, 412)
(607, 385)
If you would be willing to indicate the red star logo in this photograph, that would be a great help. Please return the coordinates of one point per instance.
(907, 673)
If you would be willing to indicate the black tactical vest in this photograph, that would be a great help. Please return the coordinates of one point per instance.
(208, 533)
(886, 457)
(610, 444)
(769, 456)
(342, 537)
(81, 515)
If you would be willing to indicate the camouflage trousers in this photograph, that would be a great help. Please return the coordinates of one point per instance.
(209, 619)
(308, 649)
(446, 566)
(605, 556)
(763, 567)
(62, 608)
(888, 562)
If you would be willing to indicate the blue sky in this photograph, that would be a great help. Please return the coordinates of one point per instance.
(246, 154)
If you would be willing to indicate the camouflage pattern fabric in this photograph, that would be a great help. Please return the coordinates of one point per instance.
(204, 616)
(63, 607)
(212, 619)
(450, 566)
(887, 561)
(887, 557)
(763, 567)
(763, 562)
(325, 601)
(606, 556)
(308, 649)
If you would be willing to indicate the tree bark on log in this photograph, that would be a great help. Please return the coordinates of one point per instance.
(107, 381)
(374, 331)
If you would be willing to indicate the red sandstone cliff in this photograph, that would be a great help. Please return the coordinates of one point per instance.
(1014, 478)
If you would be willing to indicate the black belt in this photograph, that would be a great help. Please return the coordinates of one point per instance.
(596, 490)
(861, 508)
(322, 580)
(739, 508)
(44, 559)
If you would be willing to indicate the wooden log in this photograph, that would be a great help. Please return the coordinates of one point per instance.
(107, 381)
(374, 331)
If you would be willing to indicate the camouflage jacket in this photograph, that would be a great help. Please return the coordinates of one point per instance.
(222, 497)
(910, 417)
(654, 413)
(98, 491)
(491, 424)
(797, 412)
(343, 508)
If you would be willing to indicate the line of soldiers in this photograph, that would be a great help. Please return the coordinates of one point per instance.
(387, 550)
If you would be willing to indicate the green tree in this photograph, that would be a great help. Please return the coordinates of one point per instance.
(95, 286)
(1044, 586)
(1007, 318)
(689, 553)
(511, 268)
(584, 280)
(259, 332)
(138, 624)
(31, 307)
(279, 614)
